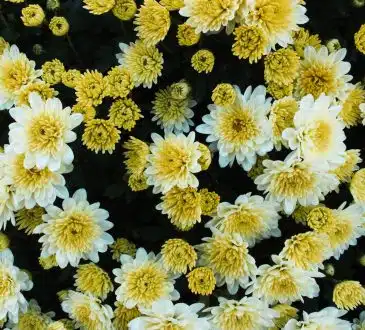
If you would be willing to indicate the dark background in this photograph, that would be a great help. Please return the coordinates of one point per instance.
(95, 39)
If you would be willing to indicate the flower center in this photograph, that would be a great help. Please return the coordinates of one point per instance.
(320, 136)
(340, 233)
(281, 283)
(31, 320)
(15, 75)
(233, 319)
(7, 284)
(317, 79)
(243, 221)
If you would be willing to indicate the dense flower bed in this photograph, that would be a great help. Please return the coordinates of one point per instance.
(182, 164)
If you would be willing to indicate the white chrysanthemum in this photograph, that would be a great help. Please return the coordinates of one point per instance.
(359, 324)
(16, 71)
(87, 311)
(242, 130)
(41, 132)
(75, 232)
(323, 72)
(34, 186)
(163, 314)
(173, 162)
(247, 313)
(143, 280)
(327, 318)
(12, 282)
(8, 204)
(318, 133)
(278, 19)
(291, 182)
(251, 217)
(284, 283)
(227, 255)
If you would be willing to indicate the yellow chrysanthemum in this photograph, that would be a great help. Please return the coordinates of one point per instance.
(182, 207)
(48, 262)
(138, 182)
(59, 26)
(301, 212)
(186, 35)
(58, 325)
(124, 113)
(91, 88)
(349, 295)
(88, 112)
(4, 242)
(33, 15)
(71, 77)
(223, 95)
(3, 45)
(32, 319)
(350, 112)
(333, 45)
(136, 155)
(180, 90)
(122, 246)
(28, 219)
(98, 7)
(172, 4)
(280, 91)
(250, 42)
(152, 22)
(119, 82)
(307, 250)
(205, 158)
(302, 39)
(100, 135)
(281, 67)
(359, 38)
(123, 315)
(53, 71)
(90, 278)
(201, 281)
(357, 186)
(178, 256)
(124, 9)
(40, 87)
(345, 171)
(320, 218)
(143, 62)
(203, 61)
(209, 201)
(286, 312)
(53, 5)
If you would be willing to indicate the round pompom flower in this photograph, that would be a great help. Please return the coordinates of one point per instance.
(172, 5)
(75, 232)
(98, 7)
(349, 295)
(33, 15)
(209, 201)
(124, 9)
(186, 35)
(28, 219)
(223, 95)
(359, 38)
(201, 281)
(152, 22)
(123, 315)
(124, 113)
(119, 82)
(53, 71)
(351, 100)
(136, 155)
(122, 246)
(48, 262)
(357, 186)
(59, 26)
(91, 88)
(203, 61)
(279, 91)
(71, 77)
(302, 39)
(88, 112)
(43, 89)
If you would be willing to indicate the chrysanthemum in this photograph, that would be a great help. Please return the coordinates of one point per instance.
(28, 219)
(143, 280)
(345, 171)
(123, 315)
(201, 281)
(164, 314)
(136, 155)
(284, 283)
(87, 312)
(33, 15)
(42, 132)
(8, 202)
(205, 158)
(16, 71)
(203, 61)
(224, 95)
(122, 246)
(302, 39)
(186, 35)
(208, 15)
(209, 201)
(178, 256)
(88, 112)
(75, 232)
(172, 5)
(53, 71)
(319, 218)
(152, 22)
(278, 91)
(124, 113)
(3, 45)
(48, 262)
(293, 182)
(281, 117)
(43, 89)
(359, 38)
(350, 112)
(228, 256)
(91, 88)
(12, 282)
(98, 7)
(318, 135)
(90, 278)
(250, 42)
(100, 135)
(349, 295)
(173, 115)
(321, 72)
(241, 130)
(71, 77)
(282, 66)
(173, 162)
(143, 62)
(251, 217)
(286, 312)
(124, 9)
(247, 313)
(59, 26)
(278, 19)
(327, 318)
(119, 82)
(307, 250)
(182, 206)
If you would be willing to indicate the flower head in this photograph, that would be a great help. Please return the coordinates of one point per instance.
(205, 158)
(203, 61)
(43, 89)
(209, 201)
(136, 155)
(33, 15)
(224, 95)
(3, 45)
(48, 262)
(71, 77)
(124, 113)
(143, 62)
(350, 112)
(122, 246)
(91, 88)
(53, 71)
(172, 5)
(75, 232)
(98, 7)
(345, 171)
(123, 315)
(119, 82)
(357, 186)
(302, 39)
(286, 312)
(88, 112)
(59, 26)
(349, 295)
(280, 91)
(124, 9)
(28, 219)
(186, 35)
(359, 38)
(201, 281)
